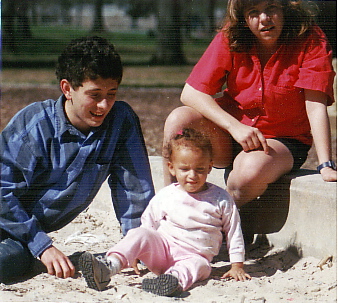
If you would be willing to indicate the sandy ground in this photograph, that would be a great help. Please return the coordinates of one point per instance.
(277, 275)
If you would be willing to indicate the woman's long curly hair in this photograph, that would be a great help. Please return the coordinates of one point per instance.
(298, 17)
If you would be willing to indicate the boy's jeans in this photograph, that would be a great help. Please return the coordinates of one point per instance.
(15, 259)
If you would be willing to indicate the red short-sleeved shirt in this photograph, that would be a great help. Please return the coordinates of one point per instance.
(273, 99)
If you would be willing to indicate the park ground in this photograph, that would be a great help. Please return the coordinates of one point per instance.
(278, 275)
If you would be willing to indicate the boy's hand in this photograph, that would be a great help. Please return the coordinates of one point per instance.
(57, 263)
(237, 272)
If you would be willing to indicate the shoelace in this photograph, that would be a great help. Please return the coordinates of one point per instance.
(103, 260)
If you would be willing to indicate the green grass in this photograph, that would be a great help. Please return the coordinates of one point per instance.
(33, 60)
(48, 42)
(135, 76)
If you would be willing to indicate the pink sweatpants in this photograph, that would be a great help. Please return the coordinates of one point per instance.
(161, 256)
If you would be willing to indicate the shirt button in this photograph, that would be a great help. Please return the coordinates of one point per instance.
(260, 89)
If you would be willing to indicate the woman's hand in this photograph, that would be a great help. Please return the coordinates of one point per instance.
(237, 272)
(328, 174)
(250, 138)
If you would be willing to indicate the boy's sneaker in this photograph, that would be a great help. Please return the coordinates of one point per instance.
(97, 273)
(163, 285)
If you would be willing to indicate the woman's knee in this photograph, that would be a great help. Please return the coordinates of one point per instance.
(256, 167)
(246, 172)
(242, 173)
(252, 173)
(185, 116)
(179, 118)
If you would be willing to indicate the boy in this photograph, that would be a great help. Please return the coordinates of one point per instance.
(55, 155)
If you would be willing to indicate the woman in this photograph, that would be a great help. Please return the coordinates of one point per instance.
(277, 68)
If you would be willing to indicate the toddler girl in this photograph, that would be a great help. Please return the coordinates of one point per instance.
(181, 228)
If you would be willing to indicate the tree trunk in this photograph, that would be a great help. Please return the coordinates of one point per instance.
(134, 22)
(98, 25)
(65, 8)
(169, 41)
(211, 16)
(8, 25)
(23, 26)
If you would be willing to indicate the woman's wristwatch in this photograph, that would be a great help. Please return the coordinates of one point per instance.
(327, 164)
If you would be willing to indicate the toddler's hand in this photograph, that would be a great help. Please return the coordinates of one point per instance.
(237, 272)
(135, 267)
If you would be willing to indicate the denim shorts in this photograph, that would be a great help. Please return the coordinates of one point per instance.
(298, 150)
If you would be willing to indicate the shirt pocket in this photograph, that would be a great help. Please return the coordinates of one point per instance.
(287, 103)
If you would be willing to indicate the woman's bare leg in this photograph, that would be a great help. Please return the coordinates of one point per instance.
(185, 116)
(254, 171)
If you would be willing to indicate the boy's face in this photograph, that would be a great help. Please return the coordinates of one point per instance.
(190, 167)
(89, 104)
(265, 20)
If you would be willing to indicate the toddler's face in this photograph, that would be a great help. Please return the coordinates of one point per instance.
(191, 167)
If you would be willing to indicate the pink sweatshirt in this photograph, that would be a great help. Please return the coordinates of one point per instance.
(196, 221)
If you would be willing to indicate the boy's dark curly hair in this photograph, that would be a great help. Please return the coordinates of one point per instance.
(89, 58)
(298, 18)
(188, 137)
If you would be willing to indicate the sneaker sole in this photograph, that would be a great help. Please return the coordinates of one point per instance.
(163, 285)
(86, 266)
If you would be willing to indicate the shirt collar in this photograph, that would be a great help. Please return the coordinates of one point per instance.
(63, 124)
(254, 49)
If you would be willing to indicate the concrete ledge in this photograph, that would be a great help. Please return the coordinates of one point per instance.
(311, 224)
(299, 210)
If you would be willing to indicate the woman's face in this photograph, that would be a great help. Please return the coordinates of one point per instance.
(265, 20)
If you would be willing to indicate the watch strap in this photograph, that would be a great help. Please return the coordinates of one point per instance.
(327, 164)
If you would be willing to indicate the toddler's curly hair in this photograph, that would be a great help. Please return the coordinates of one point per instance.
(188, 137)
